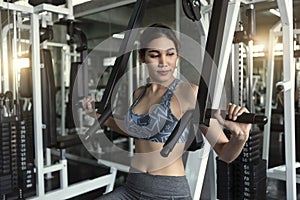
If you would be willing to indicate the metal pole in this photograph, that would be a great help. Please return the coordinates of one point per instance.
(5, 49)
(65, 67)
(250, 76)
(230, 25)
(286, 15)
(269, 88)
(37, 104)
(130, 92)
(1, 60)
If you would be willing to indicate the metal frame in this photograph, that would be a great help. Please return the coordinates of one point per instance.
(230, 25)
(288, 171)
(4, 53)
(250, 86)
(196, 161)
(65, 191)
(194, 165)
(104, 8)
(288, 84)
(16, 7)
(286, 8)
(195, 168)
(269, 90)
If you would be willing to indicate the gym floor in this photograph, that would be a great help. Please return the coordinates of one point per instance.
(276, 189)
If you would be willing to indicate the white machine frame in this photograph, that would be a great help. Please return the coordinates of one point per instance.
(65, 191)
(286, 10)
(285, 172)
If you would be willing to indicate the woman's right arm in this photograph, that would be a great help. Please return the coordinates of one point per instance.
(114, 124)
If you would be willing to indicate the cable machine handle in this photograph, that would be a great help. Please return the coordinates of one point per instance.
(251, 118)
(98, 123)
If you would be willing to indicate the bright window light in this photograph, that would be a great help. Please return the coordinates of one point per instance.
(21, 63)
(259, 54)
(258, 48)
(278, 47)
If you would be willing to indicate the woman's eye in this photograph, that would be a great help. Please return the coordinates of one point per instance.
(154, 56)
(171, 54)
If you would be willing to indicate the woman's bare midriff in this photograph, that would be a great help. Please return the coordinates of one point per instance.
(147, 159)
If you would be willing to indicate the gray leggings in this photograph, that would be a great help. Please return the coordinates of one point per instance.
(144, 186)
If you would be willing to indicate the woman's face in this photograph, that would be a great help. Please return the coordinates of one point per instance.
(160, 57)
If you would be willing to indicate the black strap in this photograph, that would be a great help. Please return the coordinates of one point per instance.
(141, 95)
(120, 64)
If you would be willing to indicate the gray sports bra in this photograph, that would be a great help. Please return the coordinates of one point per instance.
(156, 125)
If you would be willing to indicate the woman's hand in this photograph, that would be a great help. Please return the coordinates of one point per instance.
(88, 107)
(240, 131)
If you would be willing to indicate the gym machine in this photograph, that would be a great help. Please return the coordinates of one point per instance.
(285, 172)
(105, 107)
(17, 178)
(217, 54)
(29, 125)
(244, 178)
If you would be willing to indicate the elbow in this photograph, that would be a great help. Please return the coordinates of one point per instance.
(227, 159)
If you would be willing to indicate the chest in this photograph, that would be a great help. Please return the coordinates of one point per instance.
(150, 101)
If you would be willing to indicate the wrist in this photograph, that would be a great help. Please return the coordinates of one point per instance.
(239, 136)
(92, 114)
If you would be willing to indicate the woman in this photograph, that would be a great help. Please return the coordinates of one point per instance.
(156, 109)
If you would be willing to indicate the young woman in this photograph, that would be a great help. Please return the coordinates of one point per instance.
(156, 109)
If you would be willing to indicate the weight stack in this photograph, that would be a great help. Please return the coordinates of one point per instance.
(17, 178)
(14, 127)
(244, 178)
(224, 180)
(251, 152)
(8, 154)
(250, 180)
(26, 177)
(250, 170)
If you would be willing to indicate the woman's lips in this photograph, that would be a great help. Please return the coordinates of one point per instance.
(164, 72)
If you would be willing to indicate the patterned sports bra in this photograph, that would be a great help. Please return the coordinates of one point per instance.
(157, 125)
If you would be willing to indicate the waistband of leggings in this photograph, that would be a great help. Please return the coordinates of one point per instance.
(162, 185)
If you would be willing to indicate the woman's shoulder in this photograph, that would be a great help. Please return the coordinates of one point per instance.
(186, 87)
(186, 93)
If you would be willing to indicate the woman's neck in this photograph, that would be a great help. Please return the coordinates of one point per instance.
(156, 86)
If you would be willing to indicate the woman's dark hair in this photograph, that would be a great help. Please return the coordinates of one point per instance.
(155, 31)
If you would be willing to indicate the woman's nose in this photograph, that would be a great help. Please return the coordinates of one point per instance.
(162, 61)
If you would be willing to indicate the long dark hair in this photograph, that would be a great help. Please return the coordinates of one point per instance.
(155, 31)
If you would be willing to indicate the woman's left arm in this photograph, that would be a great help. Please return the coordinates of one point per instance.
(228, 150)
